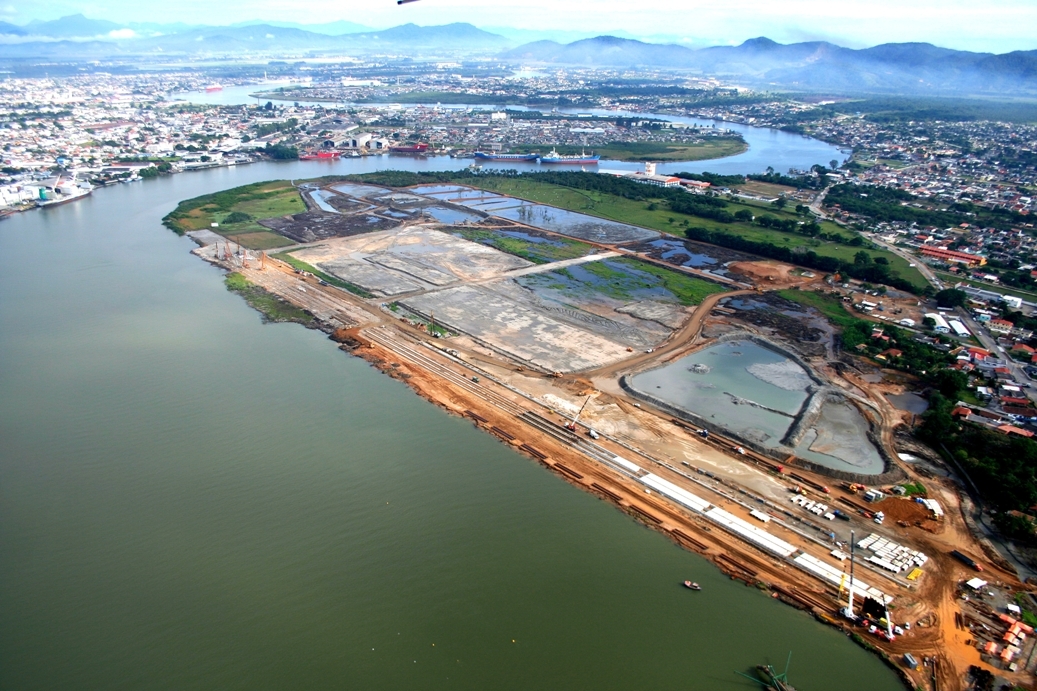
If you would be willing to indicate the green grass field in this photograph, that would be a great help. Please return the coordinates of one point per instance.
(257, 201)
(831, 307)
(661, 218)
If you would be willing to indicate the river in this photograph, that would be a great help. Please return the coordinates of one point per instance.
(191, 499)
(767, 146)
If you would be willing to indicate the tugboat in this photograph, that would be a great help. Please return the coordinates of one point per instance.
(692, 585)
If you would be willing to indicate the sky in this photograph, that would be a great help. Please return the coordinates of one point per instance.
(997, 26)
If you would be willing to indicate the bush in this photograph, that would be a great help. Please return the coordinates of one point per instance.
(237, 217)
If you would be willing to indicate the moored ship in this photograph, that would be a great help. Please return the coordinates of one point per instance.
(555, 157)
(488, 156)
(409, 149)
(320, 156)
(62, 193)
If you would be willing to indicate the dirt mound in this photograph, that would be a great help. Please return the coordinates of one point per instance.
(902, 509)
(770, 274)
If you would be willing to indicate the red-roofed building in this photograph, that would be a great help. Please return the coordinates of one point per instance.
(1012, 429)
(1000, 326)
(953, 257)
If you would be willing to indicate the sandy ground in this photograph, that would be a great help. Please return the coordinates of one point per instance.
(773, 275)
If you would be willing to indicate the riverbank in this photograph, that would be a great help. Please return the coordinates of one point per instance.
(510, 406)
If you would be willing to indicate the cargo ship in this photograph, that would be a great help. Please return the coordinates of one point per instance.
(505, 157)
(62, 194)
(409, 149)
(213, 87)
(579, 159)
(320, 156)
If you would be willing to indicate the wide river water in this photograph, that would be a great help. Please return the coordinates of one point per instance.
(191, 499)
(767, 146)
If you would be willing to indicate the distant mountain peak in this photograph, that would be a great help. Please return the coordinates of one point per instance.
(761, 42)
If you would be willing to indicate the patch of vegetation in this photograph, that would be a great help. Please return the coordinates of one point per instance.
(555, 249)
(830, 306)
(272, 307)
(711, 147)
(622, 278)
(689, 290)
(1003, 467)
(916, 488)
(259, 200)
(327, 278)
(887, 204)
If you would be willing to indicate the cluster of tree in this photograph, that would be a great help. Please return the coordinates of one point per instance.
(281, 152)
(916, 358)
(714, 178)
(789, 225)
(806, 182)
(887, 204)
(272, 127)
(951, 297)
(1003, 467)
(237, 217)
(862, 268)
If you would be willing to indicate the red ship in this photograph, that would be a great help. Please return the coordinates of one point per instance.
(409, 149)
(320, 156)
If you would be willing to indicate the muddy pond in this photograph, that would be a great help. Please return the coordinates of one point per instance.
(757, 394)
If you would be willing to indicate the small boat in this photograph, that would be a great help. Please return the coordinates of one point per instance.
(692, 585)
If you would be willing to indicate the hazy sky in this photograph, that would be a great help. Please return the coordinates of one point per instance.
(989, 25)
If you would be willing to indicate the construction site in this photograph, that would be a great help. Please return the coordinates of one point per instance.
(667, 378)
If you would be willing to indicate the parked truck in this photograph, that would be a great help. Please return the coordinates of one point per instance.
(967, 560)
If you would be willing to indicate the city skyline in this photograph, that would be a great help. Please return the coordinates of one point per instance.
(998, 27)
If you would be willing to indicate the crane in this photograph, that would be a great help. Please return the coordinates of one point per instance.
(572, 425)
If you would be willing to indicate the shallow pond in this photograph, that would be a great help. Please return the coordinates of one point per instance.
(672, 249)
(450, 216)
(575, 224)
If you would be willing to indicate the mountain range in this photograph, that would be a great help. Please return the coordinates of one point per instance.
(817, 66)
(907, 68)
(96, 39)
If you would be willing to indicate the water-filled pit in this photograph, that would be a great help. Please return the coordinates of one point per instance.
(757, 393)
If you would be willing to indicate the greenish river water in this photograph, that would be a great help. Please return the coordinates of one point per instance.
(190, 499)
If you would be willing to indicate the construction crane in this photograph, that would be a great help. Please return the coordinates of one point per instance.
(572, 425)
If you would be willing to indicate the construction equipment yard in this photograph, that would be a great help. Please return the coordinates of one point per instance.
(504, 316)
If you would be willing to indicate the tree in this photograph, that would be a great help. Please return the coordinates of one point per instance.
(950, 382)
(780, 202)
(833, 164)
(861, 259)
(744, 215)
(951, 297)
